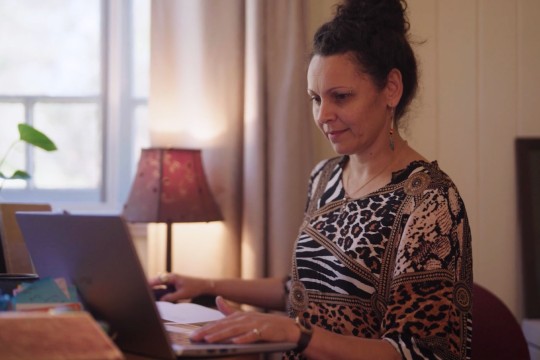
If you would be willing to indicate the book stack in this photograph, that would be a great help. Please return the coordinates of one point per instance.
(44, 295)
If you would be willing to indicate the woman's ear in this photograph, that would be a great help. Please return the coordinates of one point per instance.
(394, 87)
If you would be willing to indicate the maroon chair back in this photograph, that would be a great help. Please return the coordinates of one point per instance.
(496, 332)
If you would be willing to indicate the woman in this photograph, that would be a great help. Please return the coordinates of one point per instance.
(382, 266)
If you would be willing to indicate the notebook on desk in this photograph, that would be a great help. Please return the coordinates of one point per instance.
(96, 253)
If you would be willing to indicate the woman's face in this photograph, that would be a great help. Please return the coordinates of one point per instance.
(347, 105)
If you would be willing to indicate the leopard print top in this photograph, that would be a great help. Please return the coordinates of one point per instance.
(395, 264)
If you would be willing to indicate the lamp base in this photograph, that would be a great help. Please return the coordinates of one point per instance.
(168, 254)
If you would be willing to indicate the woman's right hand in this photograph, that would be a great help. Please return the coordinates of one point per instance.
(183, 287)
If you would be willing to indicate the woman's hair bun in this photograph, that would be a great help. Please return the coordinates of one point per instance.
(375, 32)
(379, 15)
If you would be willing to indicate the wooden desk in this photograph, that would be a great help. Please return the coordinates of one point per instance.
(40, 335)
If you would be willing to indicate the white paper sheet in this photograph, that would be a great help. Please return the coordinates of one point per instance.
(187, 313)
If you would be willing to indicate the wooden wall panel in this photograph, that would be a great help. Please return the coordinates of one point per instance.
(497, 243)
(528, 39)
(421, 124)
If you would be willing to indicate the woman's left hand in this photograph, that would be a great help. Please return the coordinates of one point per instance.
(247, 327)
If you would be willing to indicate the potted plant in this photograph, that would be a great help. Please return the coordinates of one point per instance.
(30, 135)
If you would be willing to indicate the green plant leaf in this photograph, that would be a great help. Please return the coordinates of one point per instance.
(19, 174)
(35, 137)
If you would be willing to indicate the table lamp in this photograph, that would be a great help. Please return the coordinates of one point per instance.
(170, 187)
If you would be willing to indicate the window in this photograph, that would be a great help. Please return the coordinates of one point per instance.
(78, 71)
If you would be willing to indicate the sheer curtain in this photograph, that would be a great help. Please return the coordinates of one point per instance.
(229, 77)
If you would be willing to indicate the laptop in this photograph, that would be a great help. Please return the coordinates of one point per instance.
(97, 255)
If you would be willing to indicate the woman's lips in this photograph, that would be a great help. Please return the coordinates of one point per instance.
(334, 135)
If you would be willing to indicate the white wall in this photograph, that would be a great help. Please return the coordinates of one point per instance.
(479, 62)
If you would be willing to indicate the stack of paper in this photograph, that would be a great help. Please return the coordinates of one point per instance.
(187, 313)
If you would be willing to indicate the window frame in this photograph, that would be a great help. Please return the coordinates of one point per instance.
(117, 105)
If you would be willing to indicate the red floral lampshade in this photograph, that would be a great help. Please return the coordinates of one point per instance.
(170, 186)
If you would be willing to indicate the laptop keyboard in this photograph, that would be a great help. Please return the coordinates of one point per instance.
(179, 333)
(179, 338)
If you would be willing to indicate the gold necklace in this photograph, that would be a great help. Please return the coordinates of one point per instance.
(350, 194)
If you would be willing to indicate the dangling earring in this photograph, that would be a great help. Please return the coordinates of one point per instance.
(392, 129)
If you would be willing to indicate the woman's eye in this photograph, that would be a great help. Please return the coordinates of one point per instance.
(315, 99)
(342, 96)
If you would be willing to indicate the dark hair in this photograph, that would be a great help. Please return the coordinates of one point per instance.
(375, 31)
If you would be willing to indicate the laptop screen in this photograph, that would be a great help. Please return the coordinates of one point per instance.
(96, 254)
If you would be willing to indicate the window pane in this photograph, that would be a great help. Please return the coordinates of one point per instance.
(141, 47)
(76, 129)
(50, 47)
(10, 116)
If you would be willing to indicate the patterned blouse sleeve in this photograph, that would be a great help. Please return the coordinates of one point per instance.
(428, 312)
